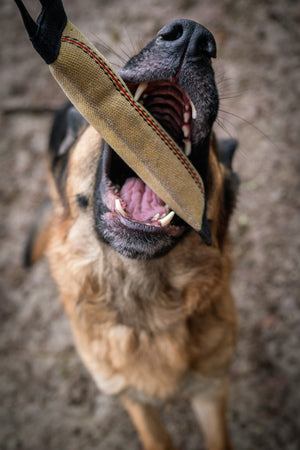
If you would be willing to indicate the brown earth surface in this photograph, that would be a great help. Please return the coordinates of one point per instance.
(48, 400)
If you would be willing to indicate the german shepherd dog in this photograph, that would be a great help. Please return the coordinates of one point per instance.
(149, 302)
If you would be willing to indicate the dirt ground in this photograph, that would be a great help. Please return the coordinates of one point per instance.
(48, 400)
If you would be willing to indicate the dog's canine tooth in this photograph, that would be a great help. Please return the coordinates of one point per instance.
(167, 219)
(118, 207)
(140, 89)
(194, 112)
(187, 147)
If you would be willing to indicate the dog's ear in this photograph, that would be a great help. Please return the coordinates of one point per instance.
(39, 234)
(67, 126)
(227, 148)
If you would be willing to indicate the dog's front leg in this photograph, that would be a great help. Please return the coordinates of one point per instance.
(148, 424)
(210, 409)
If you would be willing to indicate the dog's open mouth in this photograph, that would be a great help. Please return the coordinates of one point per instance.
(126, 196)
(172, 77)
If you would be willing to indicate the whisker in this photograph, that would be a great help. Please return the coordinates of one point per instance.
(125, 53)
(106, 48)
(135, 48)
(232, 95)
(226, 119)
(224, 128)
(224, 80)
(242, 119)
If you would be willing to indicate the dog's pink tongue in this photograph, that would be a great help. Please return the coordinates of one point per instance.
(142, 203)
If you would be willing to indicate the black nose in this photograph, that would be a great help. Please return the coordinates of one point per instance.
(188, 36)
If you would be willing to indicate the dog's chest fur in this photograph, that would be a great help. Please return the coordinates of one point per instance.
(150, 328)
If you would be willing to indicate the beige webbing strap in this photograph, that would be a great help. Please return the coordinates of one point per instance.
(102, 97)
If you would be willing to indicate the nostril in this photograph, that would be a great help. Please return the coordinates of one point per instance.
(202, 42)
(171, 32)
(209, 46)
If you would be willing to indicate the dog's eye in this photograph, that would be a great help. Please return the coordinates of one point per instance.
(82, 201)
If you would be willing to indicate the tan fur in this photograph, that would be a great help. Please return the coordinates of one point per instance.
(147, 330)
(39, 235)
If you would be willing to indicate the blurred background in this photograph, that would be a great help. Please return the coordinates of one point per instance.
(48, 400)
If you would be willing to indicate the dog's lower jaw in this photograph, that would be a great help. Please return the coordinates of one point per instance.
(127, 235)
(135, 242)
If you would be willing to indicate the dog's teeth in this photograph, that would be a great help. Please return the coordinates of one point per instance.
(186, 130)
(155, 217)
(186, 117)
(118, 207)
(167, 219)
(187, 147)
(140, 89)
(194, 112)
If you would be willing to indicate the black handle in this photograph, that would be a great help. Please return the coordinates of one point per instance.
(45, 33)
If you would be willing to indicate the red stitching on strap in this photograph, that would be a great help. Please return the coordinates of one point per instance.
(130, 99)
